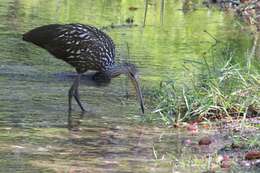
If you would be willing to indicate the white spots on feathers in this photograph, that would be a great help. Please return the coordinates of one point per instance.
(101, 48)
(108, 55)
(73, 31)
(71, 57)
(78, 52)
(83, 35)
(86, 46)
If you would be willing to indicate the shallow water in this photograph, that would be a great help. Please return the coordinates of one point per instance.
(34, 133)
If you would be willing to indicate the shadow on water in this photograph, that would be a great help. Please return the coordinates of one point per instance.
(86, 79)
(36, 133)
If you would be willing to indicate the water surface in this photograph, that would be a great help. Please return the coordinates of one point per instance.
(111, 138)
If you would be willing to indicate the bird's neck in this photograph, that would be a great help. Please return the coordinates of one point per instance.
(117, 70)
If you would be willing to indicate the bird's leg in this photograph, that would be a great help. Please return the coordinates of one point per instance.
(73, 122)
(73, 91)
(76, 96)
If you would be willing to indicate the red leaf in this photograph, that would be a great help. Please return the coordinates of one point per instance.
(252, 155)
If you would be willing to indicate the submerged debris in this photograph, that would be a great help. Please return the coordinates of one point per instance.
(132, 8)
(252, 155)
(130, 20)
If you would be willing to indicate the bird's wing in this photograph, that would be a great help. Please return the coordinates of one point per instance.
(72, 40)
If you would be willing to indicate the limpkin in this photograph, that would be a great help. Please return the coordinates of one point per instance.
(85, 48)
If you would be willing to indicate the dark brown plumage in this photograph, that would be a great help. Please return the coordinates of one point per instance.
(85, 48)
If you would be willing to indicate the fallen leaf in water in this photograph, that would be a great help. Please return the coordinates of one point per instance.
(252, 155)
(205, 126)
(193, 128)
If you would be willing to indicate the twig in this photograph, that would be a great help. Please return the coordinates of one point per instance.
(127, 79)
(145, 11)
(252, 51)
(112, 26)
(216, 40)
(162, 12)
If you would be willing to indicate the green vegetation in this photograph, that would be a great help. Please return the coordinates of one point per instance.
(222, 88)
(223, 82)
(246, 142)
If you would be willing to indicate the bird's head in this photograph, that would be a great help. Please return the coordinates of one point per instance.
(131, 71)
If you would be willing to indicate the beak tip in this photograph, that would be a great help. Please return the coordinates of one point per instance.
(138, 92)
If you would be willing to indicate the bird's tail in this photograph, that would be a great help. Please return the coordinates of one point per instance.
(41, 35)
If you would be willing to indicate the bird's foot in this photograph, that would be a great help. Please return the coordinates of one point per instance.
(83, 111)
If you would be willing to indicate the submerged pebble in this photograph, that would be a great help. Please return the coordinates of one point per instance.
(205, 141)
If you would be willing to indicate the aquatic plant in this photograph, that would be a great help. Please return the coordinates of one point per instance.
(220, 89)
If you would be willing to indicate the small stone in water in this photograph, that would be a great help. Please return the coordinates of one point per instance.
(193, 128)
(225, 163)
(186, 142)
(205, 141)
(245, 163)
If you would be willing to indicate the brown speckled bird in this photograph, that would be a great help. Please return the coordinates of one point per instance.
(85, 48)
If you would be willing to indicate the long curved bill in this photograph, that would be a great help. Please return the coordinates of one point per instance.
(136, 84)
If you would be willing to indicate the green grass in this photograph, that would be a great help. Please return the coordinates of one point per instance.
(222, 87)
